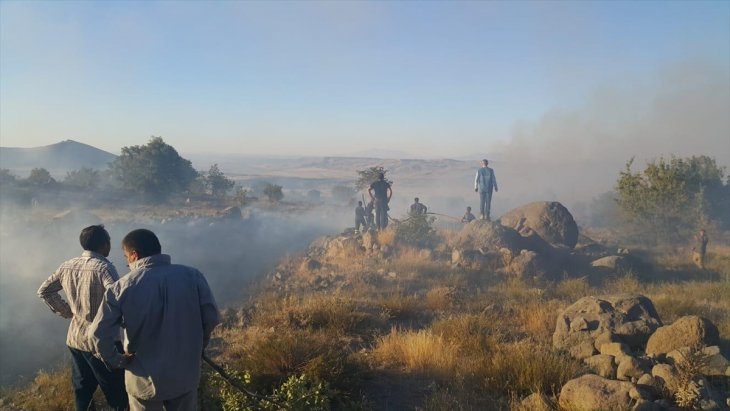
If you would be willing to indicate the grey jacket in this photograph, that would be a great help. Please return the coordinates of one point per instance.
(485, 180)
(168, 313)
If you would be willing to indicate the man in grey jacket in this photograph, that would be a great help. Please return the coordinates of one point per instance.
(484, 182)
(168, 313)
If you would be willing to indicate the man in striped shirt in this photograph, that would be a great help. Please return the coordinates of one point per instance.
(84, 280)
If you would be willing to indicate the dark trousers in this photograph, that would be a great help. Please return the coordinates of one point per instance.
(87, 373)
(381, 215)
(485, 202)
(360, 221)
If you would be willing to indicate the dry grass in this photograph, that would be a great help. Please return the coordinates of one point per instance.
(572, 289)
(418, 352)
(49, 391)
(537, 318)
(478, 340)
(524, 367)
(386, 237)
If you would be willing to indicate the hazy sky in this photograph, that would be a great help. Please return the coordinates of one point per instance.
(327, 78)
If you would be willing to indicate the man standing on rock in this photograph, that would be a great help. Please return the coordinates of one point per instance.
(168, 313)
(381, 192)
(484, 183)
(84, 280)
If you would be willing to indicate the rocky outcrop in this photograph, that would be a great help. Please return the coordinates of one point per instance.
(583, 327)
(550, 220)
(487, 236)
(688, 331)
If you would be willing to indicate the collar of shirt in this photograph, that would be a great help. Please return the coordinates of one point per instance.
(93, 254)
(151, 261)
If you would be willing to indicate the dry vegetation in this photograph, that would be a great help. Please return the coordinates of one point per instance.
(411, 332)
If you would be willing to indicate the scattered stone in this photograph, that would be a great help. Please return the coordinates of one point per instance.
(715, 363)
(616, 263)
(537, 402)
(628, 368)
(687, 331)
(369, 239)
(531, 265)
(666, 377)
(392, 274)
(592, 392)
(603, 365)
(644, 405)
(624, 318)
(550, 220)
(615, 349)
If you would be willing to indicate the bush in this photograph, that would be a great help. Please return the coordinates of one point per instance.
(295, 394)
(417, 230)
(672, 198)
(273, 192)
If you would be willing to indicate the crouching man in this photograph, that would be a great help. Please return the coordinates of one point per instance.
(168, 313)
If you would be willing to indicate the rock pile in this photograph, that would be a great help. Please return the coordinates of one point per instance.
(637, 363)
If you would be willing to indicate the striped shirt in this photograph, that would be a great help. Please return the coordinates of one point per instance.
(84, 280)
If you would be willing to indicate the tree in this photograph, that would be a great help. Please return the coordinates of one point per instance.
(217, 182)
(273, 192)
(7, 177)
(243, 196)
(84, 178)
(40, 177)
(671, 198)
(368, 176)
(154, 170)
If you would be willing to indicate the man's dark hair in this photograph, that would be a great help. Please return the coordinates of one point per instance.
(143, 241)
(94, 237)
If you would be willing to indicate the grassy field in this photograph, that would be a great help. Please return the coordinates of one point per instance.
(412, 332)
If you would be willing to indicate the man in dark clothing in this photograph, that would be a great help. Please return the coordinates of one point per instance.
(699, 250)
(417, 207)
(468, 216)
(369, 217)
(381, 192)
(360, 217)
(484, 183)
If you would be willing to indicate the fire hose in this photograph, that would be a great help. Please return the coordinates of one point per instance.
(237, 384)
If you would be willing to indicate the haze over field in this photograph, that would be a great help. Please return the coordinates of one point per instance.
(557, 95)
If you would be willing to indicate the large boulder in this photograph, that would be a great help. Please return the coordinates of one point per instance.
(687, 331)
(550, 219)
(592, 392)
(487, 236)
(531, 265)
(582, 328)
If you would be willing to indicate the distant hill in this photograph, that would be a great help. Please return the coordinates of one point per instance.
(57, 158)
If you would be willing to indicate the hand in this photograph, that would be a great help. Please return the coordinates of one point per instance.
(476, 190)
(496, 189)
(128, 358)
